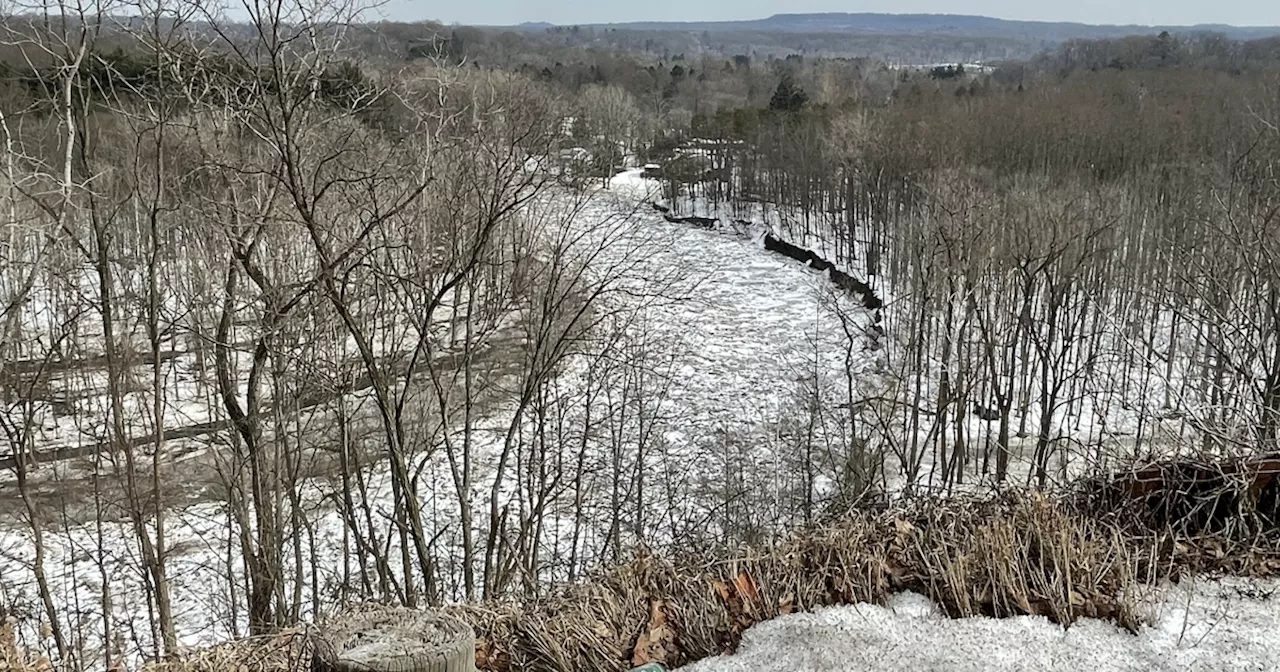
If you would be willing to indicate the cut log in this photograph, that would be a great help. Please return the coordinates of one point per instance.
(374, 638)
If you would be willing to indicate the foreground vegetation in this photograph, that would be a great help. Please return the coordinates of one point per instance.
(1008, 555)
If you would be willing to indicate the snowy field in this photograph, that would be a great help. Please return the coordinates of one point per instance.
(1198, 625)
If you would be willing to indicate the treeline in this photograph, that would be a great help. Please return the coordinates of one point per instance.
(1208, 51)
(504, 46)
(120, 72)
(672, 87)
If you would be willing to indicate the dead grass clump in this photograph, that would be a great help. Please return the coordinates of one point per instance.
(1026, 556)
(1009, 556)
(14, 657)
(495, 627)
(287, 651)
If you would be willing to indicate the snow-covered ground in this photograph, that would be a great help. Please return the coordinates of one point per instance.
(1198, 625)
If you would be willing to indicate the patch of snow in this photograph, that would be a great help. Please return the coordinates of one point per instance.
(1230, 624)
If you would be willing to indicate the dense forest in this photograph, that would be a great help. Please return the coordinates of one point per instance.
(318, 310)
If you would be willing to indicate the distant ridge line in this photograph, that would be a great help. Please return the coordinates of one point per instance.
(958, 25)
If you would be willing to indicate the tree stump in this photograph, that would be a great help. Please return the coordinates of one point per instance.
(394, 639)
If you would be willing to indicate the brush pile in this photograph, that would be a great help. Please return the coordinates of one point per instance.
(287, 651)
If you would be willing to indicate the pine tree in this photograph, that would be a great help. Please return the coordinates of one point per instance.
(788, 97)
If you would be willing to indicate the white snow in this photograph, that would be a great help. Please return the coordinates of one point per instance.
(1232, 624)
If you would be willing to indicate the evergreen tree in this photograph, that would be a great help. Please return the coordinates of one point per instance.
(788, 97)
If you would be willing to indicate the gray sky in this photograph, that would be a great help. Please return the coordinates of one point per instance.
(1149, 12)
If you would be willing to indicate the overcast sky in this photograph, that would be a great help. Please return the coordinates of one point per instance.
(1148, 12)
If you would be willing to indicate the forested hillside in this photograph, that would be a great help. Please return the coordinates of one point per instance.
(300, 311)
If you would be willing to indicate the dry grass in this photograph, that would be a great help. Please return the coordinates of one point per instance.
(288, 651)
(1026, 555)
(1008, 555)
(13, 658)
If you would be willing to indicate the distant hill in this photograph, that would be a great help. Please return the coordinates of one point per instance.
(954, 25)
